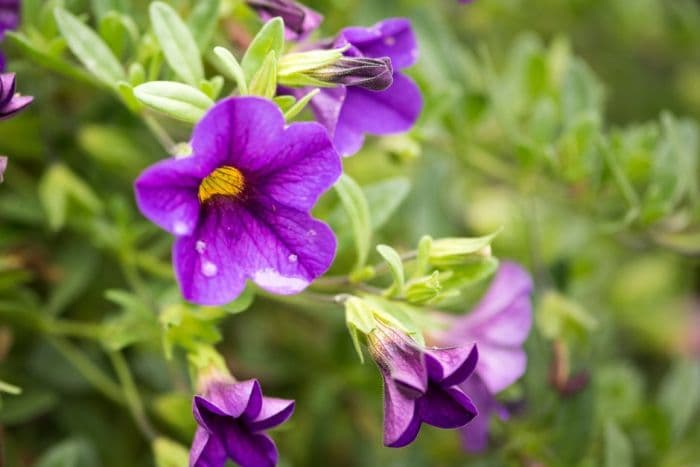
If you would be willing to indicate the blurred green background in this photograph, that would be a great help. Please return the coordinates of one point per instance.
(571, 124)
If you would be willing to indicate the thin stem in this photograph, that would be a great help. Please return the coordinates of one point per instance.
(159, 132)
(379, 269)
(73, 329)
(133, 400)
(91, 372)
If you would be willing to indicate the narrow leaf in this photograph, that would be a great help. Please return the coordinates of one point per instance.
(177, 100)
(395, 266)
(269, 38)
(231, 68)
(264, 83)
(357, 209)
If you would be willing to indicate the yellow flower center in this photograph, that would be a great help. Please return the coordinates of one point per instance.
(224, 181)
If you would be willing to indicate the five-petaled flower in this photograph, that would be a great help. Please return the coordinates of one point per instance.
(9, 20)
(11, 101)
(232, 417)
(421, 385)
(239, 205)
(499, 324)
(299, 20)
(348, 113)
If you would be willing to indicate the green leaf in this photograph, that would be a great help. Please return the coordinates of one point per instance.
(264, 82)
(175, 409)
(357, 209)
(176, 41)
(135, 323)
(395, 263)
(104, 7)
(232, 69)
(385, 197)
(118, 31)
(90, 49)
(203, 21)
(559, 317)
(359, 317)
(679, 395)
(170, 454)
(300, 105)
(242, 303)
(618, 448)
(57, 187)
(285, 102)
(455, 251)
(269, 39)
(177, 100)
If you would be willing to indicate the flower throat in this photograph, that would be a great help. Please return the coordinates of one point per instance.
(224, 181)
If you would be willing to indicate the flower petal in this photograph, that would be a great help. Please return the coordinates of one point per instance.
(393, 38)
(327, 105)
(401, 423)
(446, 407)
(305, 165)
(475, 434)
(391, 111)
(206, 450)
(228, 399)
(499, 367)
(206, 266)
(250, 449)
(282, 249)
(274, 412)
(166, 194)
(451, 366)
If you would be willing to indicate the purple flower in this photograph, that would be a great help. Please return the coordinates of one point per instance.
(3, 166)
(421, 385)
(9, 20)
(499, 325)
(348, 113)
(11, 102)
(232, 418)
(239, 205)
(299, 21)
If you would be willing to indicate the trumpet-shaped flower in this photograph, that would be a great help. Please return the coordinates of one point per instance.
(499, 324)
(239, 205)
(232, 418)
(350, 112)
(421, 385)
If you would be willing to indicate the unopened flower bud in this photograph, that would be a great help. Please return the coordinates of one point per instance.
(299, 21)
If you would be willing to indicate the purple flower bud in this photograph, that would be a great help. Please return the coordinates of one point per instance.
(375, 74)
(299, 21)
(10, 101)
(499, 325)
(421, 385)
(233, 417)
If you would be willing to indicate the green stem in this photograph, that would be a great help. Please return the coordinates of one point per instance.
(159, 132)
(133, 400)
(73, 329)
(91, 372)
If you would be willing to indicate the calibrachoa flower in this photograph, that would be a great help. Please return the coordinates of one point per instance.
(421, 385)
(299, 21)
(239, 205)
(11, 101)
(348, 113)
(499, 325)
(232, 418)
(9, 20)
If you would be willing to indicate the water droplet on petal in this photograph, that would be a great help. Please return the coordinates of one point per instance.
(209, 269)
(293, 258)
(311, 233)
(390, 41)
(180, 228)
(200, 246)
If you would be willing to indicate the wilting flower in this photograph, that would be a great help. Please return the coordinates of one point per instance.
(348, 113)
(3, 166)
(9, 20)
(421, 385)
(239, 205)
(299, 21)
(499, 325)
(232, 418)
(11, 101)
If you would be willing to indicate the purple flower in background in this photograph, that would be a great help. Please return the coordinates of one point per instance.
(299, 21)
(239, 205)
(232, 418)
(3, 166)
(499, 325)
(421, 385)
(9, 20)
(11, 101)
(348, 113)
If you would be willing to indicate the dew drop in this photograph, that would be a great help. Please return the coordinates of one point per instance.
(390, 41)
(200, 246)
(293, 258)
(311, 233)
(180, 228)
(209, 269)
